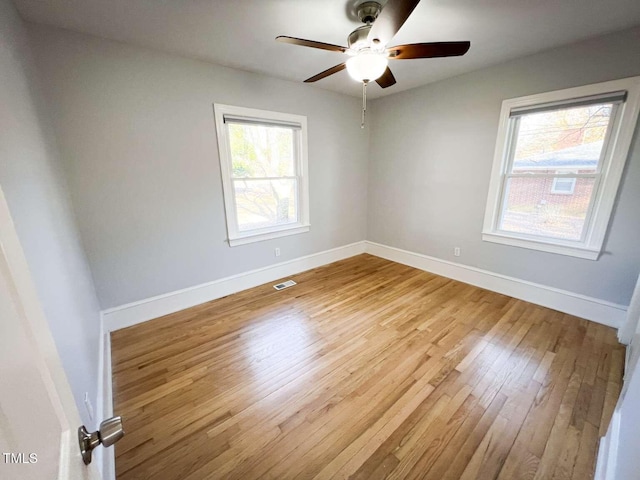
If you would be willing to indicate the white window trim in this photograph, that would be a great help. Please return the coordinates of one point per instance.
(234, 236)
(615, 158)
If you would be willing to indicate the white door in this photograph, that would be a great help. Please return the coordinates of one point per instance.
(38, 416)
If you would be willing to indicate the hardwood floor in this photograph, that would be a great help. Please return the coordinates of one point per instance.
(366, 369)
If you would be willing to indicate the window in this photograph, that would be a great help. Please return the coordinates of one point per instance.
(558, 162)
(563, 185)
(263, 160)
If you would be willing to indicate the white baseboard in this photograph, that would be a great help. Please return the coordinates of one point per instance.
(600, 311)
(154, 307)
(593, 309)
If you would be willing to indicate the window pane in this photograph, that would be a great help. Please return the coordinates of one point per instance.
(565, 140)
(532, 207)
(563, 185)
(265, 203)
(261, 151)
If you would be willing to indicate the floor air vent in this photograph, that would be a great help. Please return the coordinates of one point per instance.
(283, 285)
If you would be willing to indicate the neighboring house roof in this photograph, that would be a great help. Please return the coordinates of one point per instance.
(581, 157)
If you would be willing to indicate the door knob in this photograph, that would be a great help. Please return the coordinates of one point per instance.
(109, 433)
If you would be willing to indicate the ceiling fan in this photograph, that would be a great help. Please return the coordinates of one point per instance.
(368, 51)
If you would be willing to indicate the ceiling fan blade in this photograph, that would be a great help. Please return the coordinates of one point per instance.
(390, 20)
(428, 50)
(326, 73)
(387, 79)
(310, 43)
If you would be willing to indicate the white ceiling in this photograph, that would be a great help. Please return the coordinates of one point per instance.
(240, 33)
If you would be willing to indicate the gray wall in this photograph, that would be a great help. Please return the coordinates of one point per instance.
(138, 137)
(35, 189)
(431, 156)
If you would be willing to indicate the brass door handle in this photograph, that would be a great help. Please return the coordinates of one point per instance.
(109, 433)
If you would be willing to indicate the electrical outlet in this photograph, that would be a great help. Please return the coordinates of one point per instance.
(277, 252)
(87, 403)
(456, 251)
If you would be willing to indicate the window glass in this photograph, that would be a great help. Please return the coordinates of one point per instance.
(259, 151)
(540, 199)
(568, 138)
(265, 203)
(531, 208)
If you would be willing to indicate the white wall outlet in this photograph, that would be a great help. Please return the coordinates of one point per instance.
(277, 252)
(456, 251)
(87, 403)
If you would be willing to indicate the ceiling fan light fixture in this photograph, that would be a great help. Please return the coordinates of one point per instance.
(367, 66)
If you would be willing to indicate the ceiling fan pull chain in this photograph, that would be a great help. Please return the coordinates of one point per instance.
(364, 102)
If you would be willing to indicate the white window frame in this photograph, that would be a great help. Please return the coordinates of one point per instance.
(234, 235)
(611, 167)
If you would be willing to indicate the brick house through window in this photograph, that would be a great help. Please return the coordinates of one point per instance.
(542, 201)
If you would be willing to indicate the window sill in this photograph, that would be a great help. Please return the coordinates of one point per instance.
(259, 237)
(569, 250)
